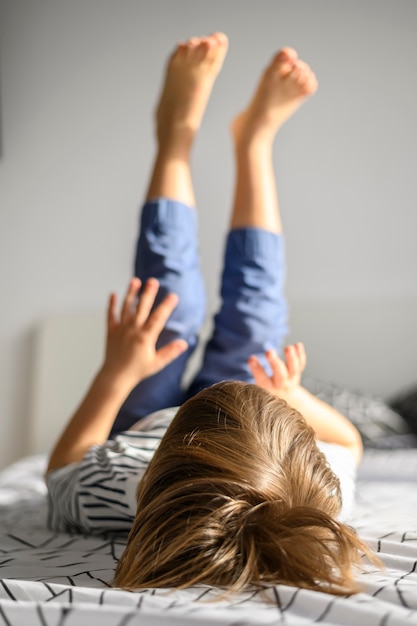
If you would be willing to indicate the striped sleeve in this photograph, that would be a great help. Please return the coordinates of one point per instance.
(98, 494)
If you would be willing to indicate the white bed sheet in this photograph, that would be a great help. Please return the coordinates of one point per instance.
(49, 578)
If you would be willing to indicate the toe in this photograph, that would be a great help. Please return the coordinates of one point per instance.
(287, 54)
(284, 69)
(221, 38)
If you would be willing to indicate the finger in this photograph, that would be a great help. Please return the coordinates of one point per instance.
(169, 353)
(302, 357)
(292, 361)
(160, 315)
(278, 368)
(111, 312)
(146, 301)
(130, 297)
(258, 372)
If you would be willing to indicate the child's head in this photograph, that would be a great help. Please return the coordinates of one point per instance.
(237, 494)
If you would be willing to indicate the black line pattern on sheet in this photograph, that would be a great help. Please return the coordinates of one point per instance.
(64, 592)
(49, 588)
(66, 577)
(398, 581)
(127, 619)
(202, 595)
(380, 589)
(326, 611)
(21, 541)
(49, 540)
(384, 620)
(387, 535)
(3, 615)
(65, 612)
(291, 600)
(251, 596)
(103, 582)
(277, 599)
(41, 616)
(7, 590)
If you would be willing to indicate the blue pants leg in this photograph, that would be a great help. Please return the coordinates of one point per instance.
(167, 249)
(253, 313)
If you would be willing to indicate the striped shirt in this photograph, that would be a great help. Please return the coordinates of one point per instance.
(98, 493)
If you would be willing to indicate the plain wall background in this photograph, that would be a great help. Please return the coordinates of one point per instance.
(78, 83)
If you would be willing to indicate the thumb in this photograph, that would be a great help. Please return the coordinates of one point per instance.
(170, 352)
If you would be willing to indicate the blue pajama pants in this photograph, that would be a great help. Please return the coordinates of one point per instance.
(252, 316)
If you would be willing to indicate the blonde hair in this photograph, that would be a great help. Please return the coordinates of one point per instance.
(239, 494)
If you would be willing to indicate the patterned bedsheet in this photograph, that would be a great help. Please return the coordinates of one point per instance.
(60, 579)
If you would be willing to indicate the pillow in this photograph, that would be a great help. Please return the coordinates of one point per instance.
(406, 405)
(380, 425)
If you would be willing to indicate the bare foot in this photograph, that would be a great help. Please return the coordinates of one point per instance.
(285, 84)
(191, 72)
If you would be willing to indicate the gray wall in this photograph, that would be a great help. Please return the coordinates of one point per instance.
(78, 85)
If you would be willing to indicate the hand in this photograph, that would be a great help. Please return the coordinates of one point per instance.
(285, 376)
(131, 353)
(131, 356)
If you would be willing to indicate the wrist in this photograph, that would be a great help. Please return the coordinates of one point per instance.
(115, 382)
(293, 396)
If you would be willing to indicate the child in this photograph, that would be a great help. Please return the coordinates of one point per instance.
(249, 481)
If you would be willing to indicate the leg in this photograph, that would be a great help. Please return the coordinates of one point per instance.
(252, 318)
(167, 245)
(191, 72)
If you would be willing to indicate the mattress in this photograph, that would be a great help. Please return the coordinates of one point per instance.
(50, 578)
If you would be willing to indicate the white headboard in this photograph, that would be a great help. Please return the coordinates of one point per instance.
(368, 344)
(68, 351)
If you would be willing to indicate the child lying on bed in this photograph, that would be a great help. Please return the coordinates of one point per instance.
(250, 482)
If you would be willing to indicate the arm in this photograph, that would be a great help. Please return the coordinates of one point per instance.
(130, 357)
(285, 381)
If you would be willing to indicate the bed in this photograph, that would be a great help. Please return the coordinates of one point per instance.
(49, 578)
